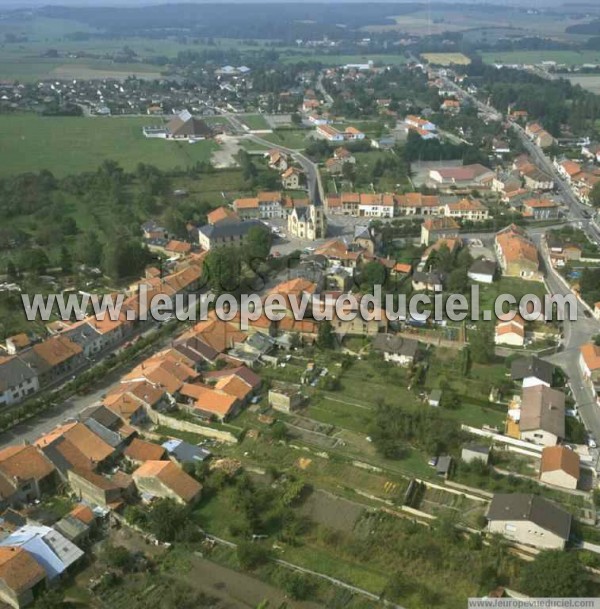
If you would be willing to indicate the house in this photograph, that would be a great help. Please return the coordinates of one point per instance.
(417, 204)
(224, 234)
(290, 178)
(376, 205)
(592, 152)
(54, 358)
(510, 332)
(22, 578)
(451, 106)
(365, 238)
(560, 467)
(26, 474)
(401, 351)
(589, 362)
(443, 466)
(16, 343)
(167, 480)
(418, 123)
(541, 416)
(535, 178)
(206, 402)
(540, 209)
(433, 229)
(482, 271)
(77, 525)
(330, 133)
(567, 169)
(475, 452)
(529, 519)
(431, 282)
(53, 552)
(17, 380)
(152, 230)
(539, 135)
(285, 397)
(222, 214)
(95, 489)
(532, 371)
(517, 253)
(467, 175)
(353, 134)
(140, 450)
(277, 159)
(307, 223)
(562, 251)
(184, 452)
(472, 210)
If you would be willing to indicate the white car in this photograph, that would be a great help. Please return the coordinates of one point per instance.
(592, 443)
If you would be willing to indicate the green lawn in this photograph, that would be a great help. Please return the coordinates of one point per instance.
(256, 122)
(340, 60)
(69, 145)
(291, 138)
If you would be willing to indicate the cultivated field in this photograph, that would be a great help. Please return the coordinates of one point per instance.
(446, 59)
(68, 145)
(569, 58)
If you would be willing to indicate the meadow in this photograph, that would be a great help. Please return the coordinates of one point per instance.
(446, 59)
(591, 82)
(69, 145)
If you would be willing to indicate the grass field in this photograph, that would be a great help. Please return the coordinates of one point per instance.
(68, 145)
(446, 59)
(341, 60)
(570, 58)
(256, 122)
(291, 138)
(591, 82)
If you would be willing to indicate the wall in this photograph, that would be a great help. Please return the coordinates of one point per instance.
(210, 432)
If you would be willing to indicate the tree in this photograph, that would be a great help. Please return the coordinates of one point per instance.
(279, 431)
(251, 554)
(89, 249)
(595, 195)
(125, 258)
(555, 573)
(166, 519)
(481, 343)
(326, 336)
(372, 274)
(66, 261)
(11, 271)
(223, 268)
(257, 244)
(118, 557)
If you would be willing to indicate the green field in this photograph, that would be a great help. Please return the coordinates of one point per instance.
(68, 145)
(256, 122)
(340, 60)
(570, 58)
(591, 82)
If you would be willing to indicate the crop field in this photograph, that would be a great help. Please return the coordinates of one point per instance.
(340, 60)
(569, 58)
(446, 59)
(68, 145)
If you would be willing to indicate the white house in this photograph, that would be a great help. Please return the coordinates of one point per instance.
(401, 351)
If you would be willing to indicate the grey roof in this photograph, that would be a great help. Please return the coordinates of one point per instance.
(443, 464)
(13, 371)
(435, 395)
(110, 437)
(533, 508)
(185, 452)
(543, 408)
(429, 278)
(185, 125)
(483, 267)
(82, 334)
(70, 527)
(362, 232)
(102, 415)
(390, 343)
(229, 229)
(532, 366)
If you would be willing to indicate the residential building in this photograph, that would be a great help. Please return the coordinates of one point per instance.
(140, 451)
(396, 349)
(184, 452)
(17, 380)
(535, 178)
(95, 489)
(471, 210)
(540, 209)
(539, 135)
(510, 333)
(560, 467)
(264, 206)
(18, 342)
(529, 519)
(25, 475)
(222, 214)
(54, 358)
(166, 479)
(290, 178)
(433, 229)
(482, 271)
(541, 415)
(330, 133)
(22, 578)
(589, 362)
(417, 204)
(517, 253)
(532, 371)
(430, 282)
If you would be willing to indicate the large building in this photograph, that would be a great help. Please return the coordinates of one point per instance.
(224, 234)
(517, 253)
(307, 222)
(181, 127)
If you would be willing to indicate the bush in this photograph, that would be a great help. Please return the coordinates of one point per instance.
(252, 554)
